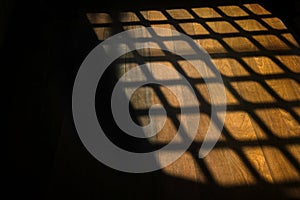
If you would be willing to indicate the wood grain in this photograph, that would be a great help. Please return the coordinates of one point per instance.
(260, 140)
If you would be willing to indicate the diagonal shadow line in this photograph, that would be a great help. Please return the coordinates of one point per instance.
(240, 153)
(273, 93)
(212, 34)
(256, 77)
(250, 111)
(248, 35)
(271, 29)
(259, 18)
(232, 108)
(287, 72)
(270, 132)
(294, 48)
(243, 78)
(256, 120)
(157, 89)
(282, 66)
(218, 36)
(243, 143)
(174, 119)
(269, 89)
(271, 136)
(175, 63)
(243, 32)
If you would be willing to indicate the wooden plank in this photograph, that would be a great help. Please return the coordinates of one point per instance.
(273, 123)
(261, 71)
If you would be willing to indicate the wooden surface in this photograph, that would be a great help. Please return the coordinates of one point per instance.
(258, 154)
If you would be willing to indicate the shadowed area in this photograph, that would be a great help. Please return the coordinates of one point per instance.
(254, 48)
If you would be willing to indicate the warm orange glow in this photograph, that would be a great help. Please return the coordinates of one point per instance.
(271, 42)
(193, 28)
(250, 25)
(275, 23)
(218, 162)
(257, 9)
(230, 67)
(233, 11)
(206, 12)
(222, 27)
(253, 92)
(99, 18)
(153, 15)
(259, 60)
(128, 17)
(290, 61)
(179, 14)
(263, 65)
(287, 93)
(212, 45)
(240, 44)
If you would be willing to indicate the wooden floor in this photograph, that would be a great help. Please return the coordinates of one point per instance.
(258, 154)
